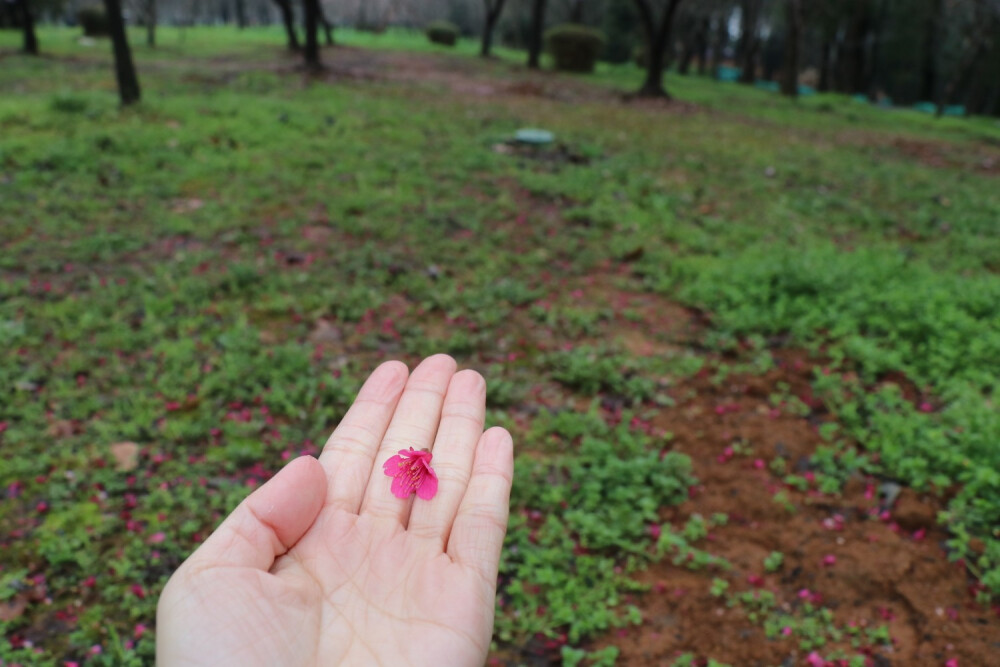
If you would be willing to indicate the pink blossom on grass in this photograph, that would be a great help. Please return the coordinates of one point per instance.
(814, 659)
(411, 472)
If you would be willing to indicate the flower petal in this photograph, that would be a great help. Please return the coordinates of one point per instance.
(401, 487)
(391, 467)
(428, 485)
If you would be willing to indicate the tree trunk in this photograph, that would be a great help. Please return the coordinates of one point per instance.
(241, 14)
(977, 94)
(128, 82)
(793, 46)
(327, 27)
(311, 51)
(151, 23)
(576, 11)
(853, 67)
(928, 89)
(652, 85)
(701, 43)
(288, 18)
(964, 70)
(30, 42)
(719, 44)
(657, 37)
(826, 56)
(490, 18)
(749, 42)
(537, 34)
(686, 28)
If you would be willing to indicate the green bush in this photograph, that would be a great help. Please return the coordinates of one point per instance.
(574, 47)
(442, 32)
(94, 21)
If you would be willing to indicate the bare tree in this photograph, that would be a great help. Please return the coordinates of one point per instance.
(720, 42)
(128, 82)
(657, 29)
(695, 44)
(30, 41)
(490, 19)
(749, 40)
(288, 18)
(327, 26)
(985, 23)
(311, 52)
(149, 14)
(537, 33)
(793, 48)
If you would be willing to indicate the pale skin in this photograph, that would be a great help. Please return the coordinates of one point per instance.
(322, 565)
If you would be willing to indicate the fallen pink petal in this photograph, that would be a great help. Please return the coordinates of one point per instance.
(411, 473)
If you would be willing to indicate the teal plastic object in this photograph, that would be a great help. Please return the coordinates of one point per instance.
(530, 135)
(930, 107)
(726, 73)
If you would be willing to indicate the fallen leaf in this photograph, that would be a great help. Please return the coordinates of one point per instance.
(61, 428)
(126, 455)
(325, 333)
(12, 609)
(186, 205)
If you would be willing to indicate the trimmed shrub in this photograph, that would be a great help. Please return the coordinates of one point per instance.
(574, 47)
(94, 21)
(442, 32)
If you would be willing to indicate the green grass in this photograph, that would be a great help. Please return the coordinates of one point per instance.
(163, 267)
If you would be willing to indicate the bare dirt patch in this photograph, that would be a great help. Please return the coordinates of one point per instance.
(870, 563)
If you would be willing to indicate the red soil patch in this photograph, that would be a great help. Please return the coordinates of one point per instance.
(890, 570)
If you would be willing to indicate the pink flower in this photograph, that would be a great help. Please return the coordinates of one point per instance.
(951, 662)
(411, 472)
(814, 659)
(829, 560)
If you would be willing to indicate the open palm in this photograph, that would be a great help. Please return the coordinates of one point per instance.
(324, 566)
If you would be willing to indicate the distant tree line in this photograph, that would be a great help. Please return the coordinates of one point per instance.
(941, 52)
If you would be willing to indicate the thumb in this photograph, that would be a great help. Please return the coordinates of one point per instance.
(269, 521)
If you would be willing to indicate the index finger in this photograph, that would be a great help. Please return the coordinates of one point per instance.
(349, 454)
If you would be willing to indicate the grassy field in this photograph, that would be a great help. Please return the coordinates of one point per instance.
(192, 290)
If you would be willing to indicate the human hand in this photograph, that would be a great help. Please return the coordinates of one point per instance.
(322, 565)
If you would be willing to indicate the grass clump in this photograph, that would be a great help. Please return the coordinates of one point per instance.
(607, 493)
